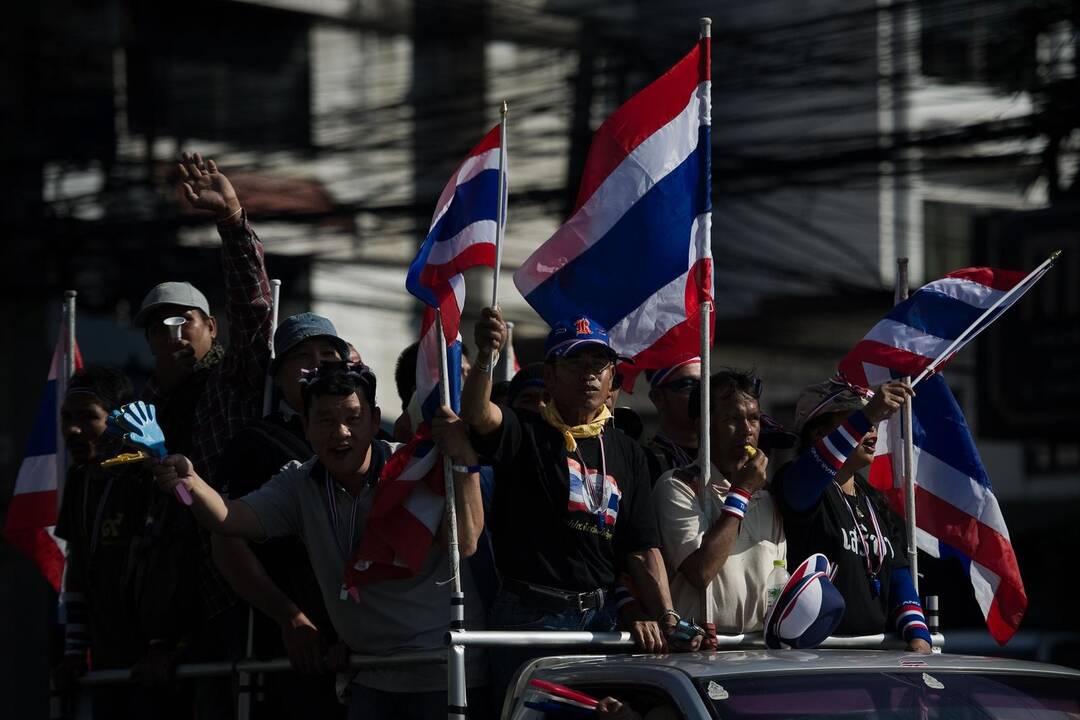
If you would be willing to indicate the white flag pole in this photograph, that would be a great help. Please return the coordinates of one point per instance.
(66, 372)
(973, 330)
(456, 699)
(500, 218)
(908, 470)
(268, 386)
(705, 311)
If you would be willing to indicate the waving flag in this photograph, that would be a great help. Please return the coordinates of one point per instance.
(31, 517)
(410, 498)
(635, 254)
(916, 331)
(956, 512)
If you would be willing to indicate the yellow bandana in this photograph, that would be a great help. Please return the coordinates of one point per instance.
(589, 429)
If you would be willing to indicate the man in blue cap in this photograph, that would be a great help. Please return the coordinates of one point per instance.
(572, 504)
(276, 576)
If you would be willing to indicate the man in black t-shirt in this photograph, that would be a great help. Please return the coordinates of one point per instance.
(572, 496)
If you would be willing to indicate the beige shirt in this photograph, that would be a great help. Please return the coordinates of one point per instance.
(737, 594)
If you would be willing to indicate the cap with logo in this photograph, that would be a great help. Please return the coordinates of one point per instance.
(808, 609)
(570, 336)
(828, 397)
(183, 294)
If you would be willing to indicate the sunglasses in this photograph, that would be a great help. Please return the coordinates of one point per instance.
(681, 385)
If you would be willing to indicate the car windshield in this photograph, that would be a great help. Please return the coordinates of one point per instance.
(888, 695)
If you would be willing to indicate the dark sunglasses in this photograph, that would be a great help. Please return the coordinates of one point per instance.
(680, 385)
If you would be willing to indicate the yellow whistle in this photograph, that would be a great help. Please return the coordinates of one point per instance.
(751, 451)
(125, 458)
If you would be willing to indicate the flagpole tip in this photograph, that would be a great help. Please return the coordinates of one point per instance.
(1054, 255)
(68, 294)
(275, 282)
(705, 25)
(505, 108)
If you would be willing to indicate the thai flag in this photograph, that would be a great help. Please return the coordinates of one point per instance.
(31, 517)
(919, 329)
(635, 254)
(956, 510)
(612, 496)
(463, 234)
(410, 498)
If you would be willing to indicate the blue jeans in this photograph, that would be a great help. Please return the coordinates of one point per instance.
(511, 613)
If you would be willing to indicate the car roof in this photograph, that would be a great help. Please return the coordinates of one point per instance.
(732, 663)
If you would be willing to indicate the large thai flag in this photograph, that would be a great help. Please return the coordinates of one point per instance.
(31, 517)
(409, 501)
(635, 254)
(956, 511)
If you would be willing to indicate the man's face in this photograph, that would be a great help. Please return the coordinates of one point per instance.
(864, 451)
(82, 421)
(581, 383)
(305, 356)
(672, 397)
(735, 423)
(198, 332)
(340, 429)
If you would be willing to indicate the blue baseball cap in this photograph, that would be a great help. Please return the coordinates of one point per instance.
(808, 609)
(569, 336)
(296, 329)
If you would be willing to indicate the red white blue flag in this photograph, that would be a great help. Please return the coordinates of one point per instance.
(410, 498)
(635, 254)
(957, 514)
(31, 517)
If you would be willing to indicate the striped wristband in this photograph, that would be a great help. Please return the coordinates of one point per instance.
(736, 502)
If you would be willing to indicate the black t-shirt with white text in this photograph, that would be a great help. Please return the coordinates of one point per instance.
(558, 525)
(829, 528)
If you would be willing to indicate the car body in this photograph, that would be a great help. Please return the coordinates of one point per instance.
(767, 684)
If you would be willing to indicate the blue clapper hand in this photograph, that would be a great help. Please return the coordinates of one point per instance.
(137, 424)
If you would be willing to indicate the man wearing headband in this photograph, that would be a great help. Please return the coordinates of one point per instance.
(676, 442)
(829, 509)
(572, 506)
(131, 578)
(326, 501)
(276, 576)
(721, 541)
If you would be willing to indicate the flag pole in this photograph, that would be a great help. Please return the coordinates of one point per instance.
(500, 218)
(974, 329)
(62, 385)
(456, 701)
(705, 308)
(268, 386)
(900, 294)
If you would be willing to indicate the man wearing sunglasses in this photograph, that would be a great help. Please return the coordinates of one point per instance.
(572, 503)
(676, 442)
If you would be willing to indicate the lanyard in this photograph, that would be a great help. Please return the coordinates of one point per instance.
(595, 496)
(871, 570)
(335, 523)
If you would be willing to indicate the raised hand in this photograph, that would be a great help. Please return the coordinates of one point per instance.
(452, 436)
(174, 473)
(207, 188)
(489, 332)
(888, 398)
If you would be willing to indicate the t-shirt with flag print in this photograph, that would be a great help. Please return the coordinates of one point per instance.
(558, 521)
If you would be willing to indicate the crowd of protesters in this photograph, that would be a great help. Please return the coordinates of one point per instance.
(564, 521)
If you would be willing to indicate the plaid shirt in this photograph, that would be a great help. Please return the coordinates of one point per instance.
(232, 396)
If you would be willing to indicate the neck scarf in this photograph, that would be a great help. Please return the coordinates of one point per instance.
(570, 432)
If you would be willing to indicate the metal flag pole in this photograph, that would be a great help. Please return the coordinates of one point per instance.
(268, 387)
(456, 701)
(900, 294)
(977, 327)
(705, 308)
(505, 367)
(500, 218)
(68, 328)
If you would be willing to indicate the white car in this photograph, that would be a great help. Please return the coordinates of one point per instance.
(769, 684)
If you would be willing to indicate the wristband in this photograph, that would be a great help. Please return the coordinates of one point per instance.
(467, 469)
(232, 215)
(736, 502)
(667, 613)
(486, 368)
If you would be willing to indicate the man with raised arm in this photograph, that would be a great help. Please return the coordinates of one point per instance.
(325, 501)
(572, 505)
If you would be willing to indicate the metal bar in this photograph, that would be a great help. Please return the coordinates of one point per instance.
(705, 309)
(509, 638)
(219, 669)
(456, 693)
(901, 294)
